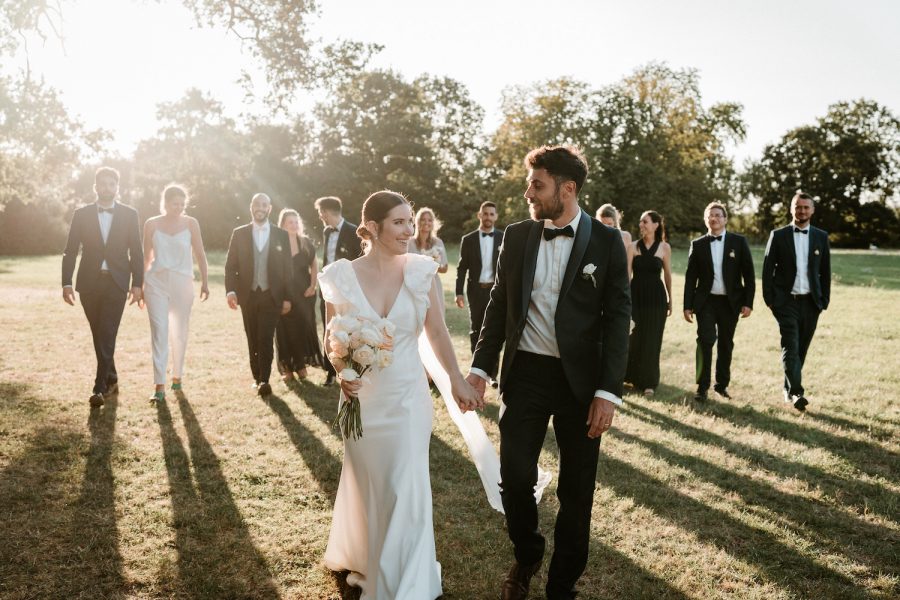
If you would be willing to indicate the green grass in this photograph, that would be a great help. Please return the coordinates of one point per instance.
(218, 494)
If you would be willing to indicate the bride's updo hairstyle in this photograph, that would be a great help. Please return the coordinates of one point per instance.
(376, 208)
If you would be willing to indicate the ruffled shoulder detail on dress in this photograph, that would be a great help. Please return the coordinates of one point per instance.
(418, 277)
(338, 284)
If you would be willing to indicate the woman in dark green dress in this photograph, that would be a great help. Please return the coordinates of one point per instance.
(651, 302)
(296, 336)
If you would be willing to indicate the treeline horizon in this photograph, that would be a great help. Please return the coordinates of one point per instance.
(650, 141)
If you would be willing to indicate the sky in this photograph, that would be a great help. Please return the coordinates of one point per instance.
(785, 61)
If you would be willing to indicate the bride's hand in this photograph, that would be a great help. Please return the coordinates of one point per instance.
(350, 388)
(466, 396)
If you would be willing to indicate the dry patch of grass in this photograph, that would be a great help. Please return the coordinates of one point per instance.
(218, 494)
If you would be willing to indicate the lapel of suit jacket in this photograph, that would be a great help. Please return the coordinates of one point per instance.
(95, 226)
(706, 247)
(582, 237)
(476, 255)
(789, 240)
(529, 264)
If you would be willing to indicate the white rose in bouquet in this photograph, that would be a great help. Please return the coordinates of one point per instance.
(383, 358)
(348, 374)
(364, 355)
(370, 336)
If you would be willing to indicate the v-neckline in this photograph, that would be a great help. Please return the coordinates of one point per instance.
(369, 302)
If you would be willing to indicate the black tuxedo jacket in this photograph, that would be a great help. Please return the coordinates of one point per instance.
(469, 266)
(737, 271)
(348, 244)
(239, 263)
(123, 252)
(780, 267)
(592, 319)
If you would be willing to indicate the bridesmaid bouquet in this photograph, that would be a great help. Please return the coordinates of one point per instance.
(358, 345)
(433, 254)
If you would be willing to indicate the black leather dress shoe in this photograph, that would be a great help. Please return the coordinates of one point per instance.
(700, 396)
(723, 392)
(96, 400)
(515, 586)
(264, 389)
(800, 403)
(329, 380)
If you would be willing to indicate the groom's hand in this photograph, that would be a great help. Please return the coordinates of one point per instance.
(137, 295)
(600, 416)
(69, 295)
(478, 384)
(232, 300)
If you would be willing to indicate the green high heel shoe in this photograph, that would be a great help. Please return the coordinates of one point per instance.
(159, 396)
(176, 386)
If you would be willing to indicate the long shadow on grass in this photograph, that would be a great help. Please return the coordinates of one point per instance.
(831, 527)
(782, 564)
(56, 545)
(872, 459)
(318, 459)
(216, 555)
(842, 490)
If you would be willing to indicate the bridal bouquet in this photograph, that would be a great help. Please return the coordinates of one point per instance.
(358, 345)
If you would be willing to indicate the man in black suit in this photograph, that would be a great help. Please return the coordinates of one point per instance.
(339, 240)
(796, 283)
(258, 272)
(561, 304)
(478, 253)
(108, 235)
(719, 286)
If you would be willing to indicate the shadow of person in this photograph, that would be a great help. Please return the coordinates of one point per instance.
(216, 555)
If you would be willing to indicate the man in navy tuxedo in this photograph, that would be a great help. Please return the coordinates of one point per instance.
(719, 286)
(478, 253)
(111, 270)
(561, 305)
(796, 283)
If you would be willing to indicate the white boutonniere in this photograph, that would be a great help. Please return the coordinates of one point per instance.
(731, 254)
(278, 247)
(588, 273)
(816, 252)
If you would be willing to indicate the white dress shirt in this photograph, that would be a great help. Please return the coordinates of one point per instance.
(260, 235)
(801, 248)
(718, 255)
(539, 335)
(106, 219)
(332, 242)
(487, 256)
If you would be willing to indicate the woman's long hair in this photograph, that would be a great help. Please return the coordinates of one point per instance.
(660, 235)
(434, 228)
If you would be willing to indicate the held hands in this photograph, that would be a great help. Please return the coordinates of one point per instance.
(466, 396)
(478, 384)
(69, 295)
(600, 416)
(137, 295)
(460, 302)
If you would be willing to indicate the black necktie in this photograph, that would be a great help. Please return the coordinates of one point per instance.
(715, 238)
(567, 231)
(803, 231)
(483, 234)
(102, 210)
(329, 230)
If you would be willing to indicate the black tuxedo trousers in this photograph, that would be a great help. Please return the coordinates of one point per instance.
(536, 391)
(103, 306)
(260, 315)
(797, 320)
(716, 320)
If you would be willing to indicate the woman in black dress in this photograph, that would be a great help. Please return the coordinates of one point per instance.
(651, 302)
(296, 336)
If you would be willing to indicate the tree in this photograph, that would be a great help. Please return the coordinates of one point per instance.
(849, 159)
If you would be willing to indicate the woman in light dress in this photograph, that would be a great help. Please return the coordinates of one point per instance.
(426, 243)
(382, 530)
(610, 216)
(169, 241)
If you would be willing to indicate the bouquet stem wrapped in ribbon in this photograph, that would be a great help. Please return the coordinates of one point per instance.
(358, 345)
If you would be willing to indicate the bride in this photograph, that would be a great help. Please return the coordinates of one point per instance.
(382, 530)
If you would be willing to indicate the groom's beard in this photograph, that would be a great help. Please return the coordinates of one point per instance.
(547, 209)
(106, 199)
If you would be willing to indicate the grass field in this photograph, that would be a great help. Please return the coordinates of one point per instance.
(218, 494)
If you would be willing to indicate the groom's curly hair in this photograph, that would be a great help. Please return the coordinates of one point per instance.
(563, 163)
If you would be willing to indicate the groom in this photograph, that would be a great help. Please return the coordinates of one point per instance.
(561, 303)
(258, 273)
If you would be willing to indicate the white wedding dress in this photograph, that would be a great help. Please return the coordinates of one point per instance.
(382, 529)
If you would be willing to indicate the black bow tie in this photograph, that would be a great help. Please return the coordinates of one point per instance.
(715, 238)
(101, 210)
(803, 231)
(567, 231)
(329, 230)
(491, 234)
